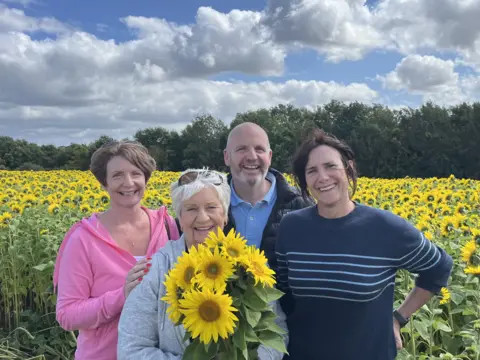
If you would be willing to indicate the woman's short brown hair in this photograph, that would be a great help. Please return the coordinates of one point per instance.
(317, 138)
(132, 151)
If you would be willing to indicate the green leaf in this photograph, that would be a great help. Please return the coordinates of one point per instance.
(273, 340)
(261, 293)
(253, 317)
(250, 335)
(196, 351)
(438, 325)
(252, 301)
(273, 294)
(267, 318)
(422, 330)
(239, 337)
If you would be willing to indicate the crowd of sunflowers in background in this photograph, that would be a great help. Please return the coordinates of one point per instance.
(37, 209)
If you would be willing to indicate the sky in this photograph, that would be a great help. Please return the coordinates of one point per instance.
(71, 71)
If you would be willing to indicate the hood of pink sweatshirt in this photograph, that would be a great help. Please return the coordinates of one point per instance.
(90, 273)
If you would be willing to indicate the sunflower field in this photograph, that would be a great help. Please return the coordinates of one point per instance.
(38, 208)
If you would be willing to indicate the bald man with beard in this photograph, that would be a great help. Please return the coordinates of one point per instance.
(260, 195)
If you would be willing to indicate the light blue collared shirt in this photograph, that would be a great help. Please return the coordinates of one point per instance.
(251, 220)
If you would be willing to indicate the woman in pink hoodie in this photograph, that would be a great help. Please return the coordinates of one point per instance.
(103, 257)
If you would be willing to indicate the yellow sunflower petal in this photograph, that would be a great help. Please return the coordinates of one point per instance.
(208, 315)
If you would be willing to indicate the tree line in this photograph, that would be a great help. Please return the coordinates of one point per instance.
(389, 143)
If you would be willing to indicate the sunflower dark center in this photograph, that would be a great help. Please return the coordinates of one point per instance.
(188, 275)
(209, 311)
(213, 270)
(232, 252)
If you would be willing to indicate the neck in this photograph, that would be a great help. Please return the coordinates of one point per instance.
(252, 194)
(120, 215)
(336, 211)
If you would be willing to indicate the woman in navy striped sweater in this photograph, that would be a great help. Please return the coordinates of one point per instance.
(337, 262)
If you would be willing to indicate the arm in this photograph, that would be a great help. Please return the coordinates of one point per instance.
(138, 327)
(75, 308)
(267, 353)
(287, 301)
(432, 264)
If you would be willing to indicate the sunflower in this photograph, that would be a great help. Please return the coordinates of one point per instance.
(474, 270)
(445, 296)
(256, 264)
(213, 240)
(208, 314)
(234, 247)
(468, 250)
(213, 269)
(184, 271)
(172, 297)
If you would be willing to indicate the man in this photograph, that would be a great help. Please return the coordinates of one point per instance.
(261, 195)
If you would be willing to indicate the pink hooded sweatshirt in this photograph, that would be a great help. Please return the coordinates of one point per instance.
(90, 272)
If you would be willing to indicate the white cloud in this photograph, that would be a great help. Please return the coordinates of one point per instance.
(339, 29)
(138, 105)
(422, 74)
(433, 78)
(16, 20)
(431, 25)
(162, 76)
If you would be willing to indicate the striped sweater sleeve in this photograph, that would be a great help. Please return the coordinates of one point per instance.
(423, 257)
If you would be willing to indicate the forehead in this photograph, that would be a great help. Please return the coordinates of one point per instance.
(249, 136)
(119, 163)
(324, 154)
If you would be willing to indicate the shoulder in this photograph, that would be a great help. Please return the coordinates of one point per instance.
(386, 221)
(294, 217)
(170, 252)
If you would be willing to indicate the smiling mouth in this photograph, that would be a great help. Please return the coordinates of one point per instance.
(128, 193)
(251, 167)
(204, 228)
(326, 188)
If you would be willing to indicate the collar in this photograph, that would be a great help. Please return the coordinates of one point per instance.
(236, 200)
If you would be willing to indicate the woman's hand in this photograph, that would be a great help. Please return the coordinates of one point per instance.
(398, 337)
(135, 275)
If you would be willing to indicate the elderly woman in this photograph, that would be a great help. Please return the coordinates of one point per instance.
(104, 256)
(200, 199)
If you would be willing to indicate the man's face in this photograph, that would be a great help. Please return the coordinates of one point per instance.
(248, 155)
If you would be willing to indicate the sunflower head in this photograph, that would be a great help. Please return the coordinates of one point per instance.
(213, 269)
(234, 247)
(208, 315)
(185, 270)
(213, 240)
(445, 296)
(468, 251)
(172, 297)
(255, 263)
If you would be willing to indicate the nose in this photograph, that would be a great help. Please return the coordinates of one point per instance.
(127, 180)
(322, 175)
(202, 216)
(251, 154)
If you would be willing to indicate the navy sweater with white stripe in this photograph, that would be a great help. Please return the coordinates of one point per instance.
(339, 277)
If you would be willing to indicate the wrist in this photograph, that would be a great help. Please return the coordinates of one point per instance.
(400, 318)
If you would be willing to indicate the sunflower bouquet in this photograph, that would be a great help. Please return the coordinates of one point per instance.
(221, 293)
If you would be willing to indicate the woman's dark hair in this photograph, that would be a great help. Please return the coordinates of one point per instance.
(317, 138)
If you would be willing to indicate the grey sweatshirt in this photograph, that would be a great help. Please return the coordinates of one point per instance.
(145, 332)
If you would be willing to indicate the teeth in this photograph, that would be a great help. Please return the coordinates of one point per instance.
(251, 167)
(204, 229)
(327, 188)
(130, 193)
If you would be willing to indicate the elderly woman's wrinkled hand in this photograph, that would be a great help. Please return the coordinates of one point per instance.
(135, 275)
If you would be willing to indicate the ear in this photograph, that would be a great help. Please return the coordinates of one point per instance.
(226, 157)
